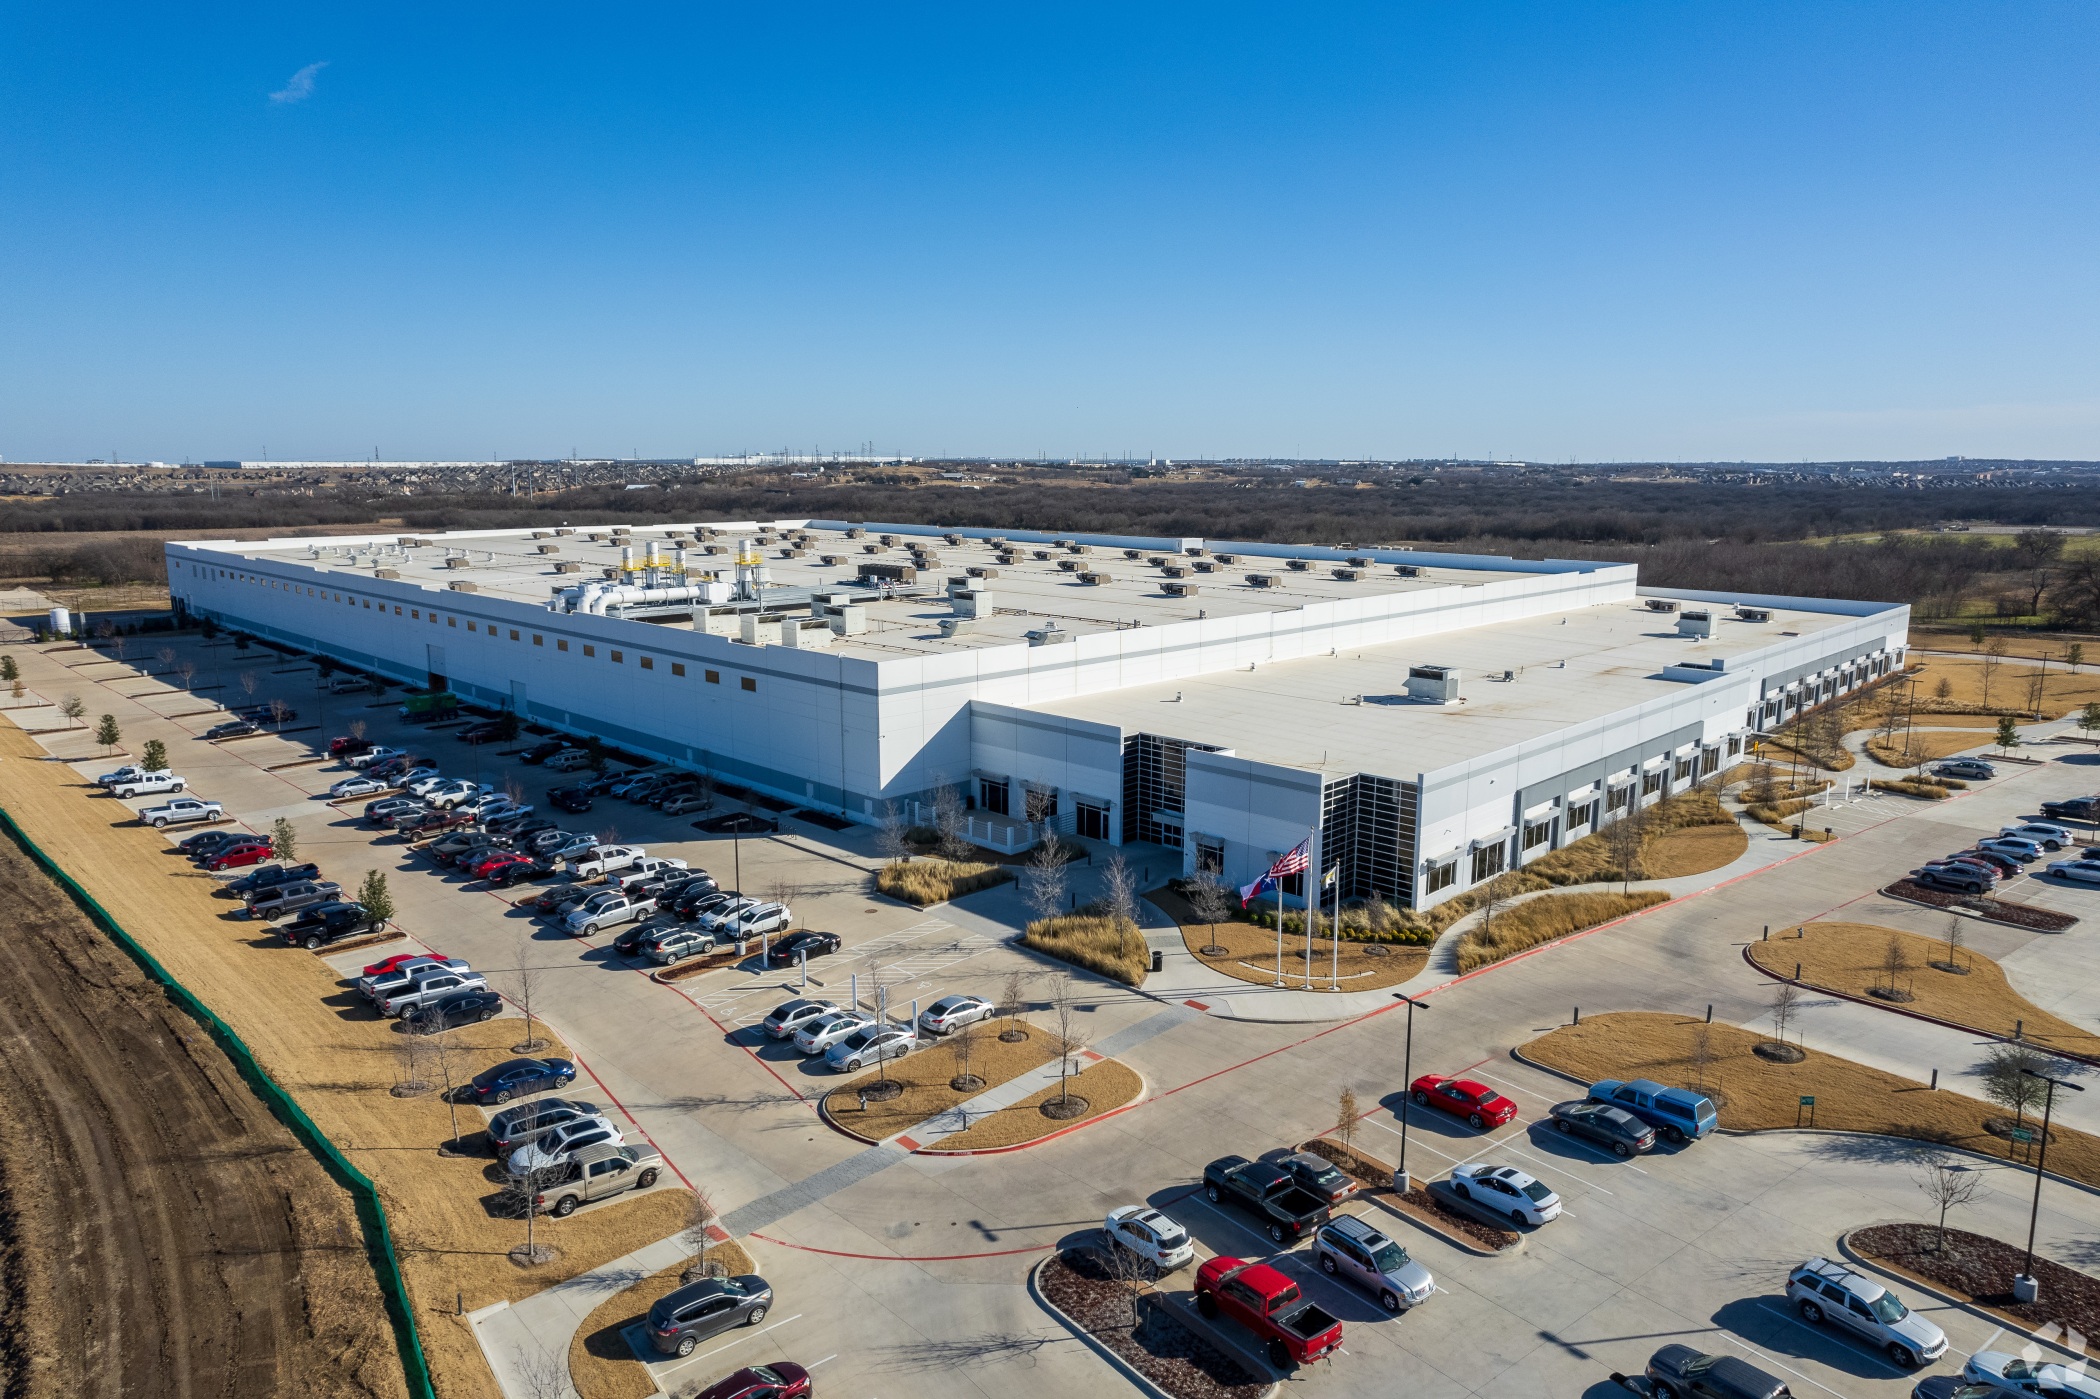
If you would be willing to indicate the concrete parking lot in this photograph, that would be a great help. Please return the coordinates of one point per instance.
(900, 1272)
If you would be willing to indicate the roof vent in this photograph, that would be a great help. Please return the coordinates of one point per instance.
(1753, 614)
(1661, 604)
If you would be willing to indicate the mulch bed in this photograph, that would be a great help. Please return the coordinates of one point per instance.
(1996, 910)
(1373, 1176)
(1160, 1348)
(1981, 1269)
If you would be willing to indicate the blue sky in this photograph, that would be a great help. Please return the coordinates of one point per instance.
(1770, 231)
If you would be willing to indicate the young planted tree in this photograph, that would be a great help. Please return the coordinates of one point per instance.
(15, 689)
(240, 641)
(524, 989)
(1957, 935)
(2074, 656)
(1119, 889)
(209, 630)
(1948, 1185)
(1944, 688)
(166, 656)
(964, 1044)
(2006, 1082)
(1623, 839)
(448, 1060)
(1069, 1038)
(1010, 1002)
(279, 712)
(107, 734)
(1130, 1272)
(696, 1237)
(1043, 879)
(1346, 1114)
(1895, 964)
(2008, 734)
(1702, 1055)
(374, 895)
(1786, 997)
(249, 681)
(357, 728)
(284, 840)
(1993, 657)
(154, 756)
(507, 726)
(324, 669)
(951, 821)
(9, 670)
(1210, 901)
(2037, 697)
(187, 669)
(2089, 720)
(521, 1197)
(785, 891)
(889, 835)
(72, 707)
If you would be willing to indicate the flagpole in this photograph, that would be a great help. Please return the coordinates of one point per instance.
(1279, 930)
(1312, 901)
(1334, 939)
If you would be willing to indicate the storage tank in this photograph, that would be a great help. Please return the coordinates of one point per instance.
(60, 622)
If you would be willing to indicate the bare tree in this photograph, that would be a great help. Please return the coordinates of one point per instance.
(1948, 1185)
(694, 1238)
(279, 712)
(2037, 683)
(889, 835)
(1957, 936)
(541, 1374)
(521, 1196)
(965, 1050)
(951, 820)
(1702, 1055)
(1010, 1002)
(249, 681)
(187, 669)
(524, 988)
(357, 728)
(1119, 888)
(447, 1058)
(1623, 839)
(1044, 882)
(408, 1059)
(72, 706)
(1895, 960)
(1494, 895)
(1129, 1271)
(1993, 656)
(783, 890)
(166, 656)
(1786, 998)
(1346, 1114)
(1209, 901)
(1070, 1039)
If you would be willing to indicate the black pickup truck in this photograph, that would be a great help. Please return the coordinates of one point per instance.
(2075, 809)
(329, 922)
(265, 876)
(1265, 1188)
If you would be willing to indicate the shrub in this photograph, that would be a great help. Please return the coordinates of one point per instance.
(1929, 791)
(1111, 946)
(1546, 918)
(924, 882)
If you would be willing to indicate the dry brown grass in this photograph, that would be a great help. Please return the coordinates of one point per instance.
(925, 1076)
(1250, 955)
(338, 1060)
(1763, 1096)
(925, 882)
(1907, 787)
(1849, 957)
(1908, 750)
(1111, 946)
(1543, 919)
(2062, 691)
(601, 1363)
(1681, 836)
(1106, 1086)
(1692, 850)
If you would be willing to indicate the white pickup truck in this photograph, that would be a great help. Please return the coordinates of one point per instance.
(122, 774)
(181, 811)
(604, 859)
(148, 784)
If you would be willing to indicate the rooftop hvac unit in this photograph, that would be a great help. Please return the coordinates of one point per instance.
(890, 572)
(568, 568)
(1174, 570)
(1042, 553)
(1434, 684)
(1132, 553)
(1204, 565)
(856, 532)
(1262, 580)
(1348, 575)
(834, 560)
(539, 534)
(871, 548)
(1297, 565)
(1050, 635)
(1700, 623)
(1753, 614)
(1661, 604)
(622, 529)
(1065, 543)
(982, 572)
(1228, 558)
(458, 561)
(886, 540)
(1407, 570)
(1095, 579)
(850, 620)
(1195, 551)
(714, 548)
(1079, 548)
(957, 626)
(1360, 561)
(1068, 565)
(461, 585)
(561, 532)
(384, 573)
(550, 548)
(1181, 589)
(953, 539)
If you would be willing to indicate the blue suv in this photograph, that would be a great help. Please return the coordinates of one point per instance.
(1679, 1114)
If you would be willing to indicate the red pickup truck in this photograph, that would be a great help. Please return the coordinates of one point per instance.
(1266, 1302)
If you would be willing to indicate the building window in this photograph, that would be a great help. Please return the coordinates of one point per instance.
(647, 664)
(1580, 816)
(1042, 802)
(1538, 834)
(1488, 860)
(749, 684)
(561, 645)
(714, 677)
(368, 604)
(678, 667)
(452, 621)
(1685, 768)
(995, 795)
(538, 640)
(397, 612)
(1091, 821)
(1441, 876)
(414, 615)
(513, 633)
(1710, 761)
(1651, 782)
(1210, 857)
(590, 650)
(470, 626)
(616, 658)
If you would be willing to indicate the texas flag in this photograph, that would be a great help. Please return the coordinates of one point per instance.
(1293, 861)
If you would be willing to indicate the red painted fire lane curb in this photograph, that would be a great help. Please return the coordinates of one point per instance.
(898, 1258)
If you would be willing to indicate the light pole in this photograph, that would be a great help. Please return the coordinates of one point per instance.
(1407, 1080)
(2025, 1287)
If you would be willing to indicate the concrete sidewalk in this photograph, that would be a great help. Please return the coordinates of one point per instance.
(519, 1339)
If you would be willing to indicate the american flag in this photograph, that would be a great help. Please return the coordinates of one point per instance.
(1293, 861)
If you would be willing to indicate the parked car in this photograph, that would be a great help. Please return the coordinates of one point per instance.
(232, 728)
(568, 849)
(181, 811)
(457, 792)
(1615, 1129)
(1268, 1303)
(556, 903)
(697, 888)
(785, 1019)
(568, 760)
(515, 1078)
(129, 772)
(1151, 1236)
(1269, 1192)
(1958, 879)
(517, 823)
(2011, 1375)
(675, 942)
(359, 786)
(779, 1379)
(630, 941)
(1853, 1302)
(683, 803)
(427, 988)
(785, 952)
(604, 859)
(2018, 847)
(2077, 871)
(719, 914)
(527, 1122)
(685, 1316)
(462, 843)
(1974, 768)
(328, 922)
(2007, 866)
(427, 821)
(951, 1013)
(1679, 1372)
(522, 869)
(148, 784)
(346, 746)
(459, 1008)
(646, 867)
(370, 757)
(2043, 833)
(349, 685)
(698, 907)
(389, 811)
(1352, 1249)
(864, 1046)
(1318, 1176)
(598, 1173)
(2074, 809)
(422, 783)
(557, 1146)
(240, 854)
(605, 909)
(290, 897)
(543, 750)
(571, 799)
(385, 965)
(481, 863)
(1678, 1113)
(205, 842)
(819, 1036)
(263, 876)
(1481, 1106)
(1524, 1198)
(374, 985)
(489, 732)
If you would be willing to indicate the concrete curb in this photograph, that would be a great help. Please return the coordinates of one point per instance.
(1913, 1014)
(1975, 1309)
(1144, 1096)
(1129, 1372)
(1887, 893)
(1457, 1241)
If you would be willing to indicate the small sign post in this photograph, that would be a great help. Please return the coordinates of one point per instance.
(1808, 1101)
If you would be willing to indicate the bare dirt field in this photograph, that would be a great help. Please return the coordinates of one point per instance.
(161, 1234)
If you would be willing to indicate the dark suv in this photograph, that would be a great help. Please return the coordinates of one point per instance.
(686, 1316)
(1679, 1372)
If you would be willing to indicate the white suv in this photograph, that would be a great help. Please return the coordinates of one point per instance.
(1826, 1291)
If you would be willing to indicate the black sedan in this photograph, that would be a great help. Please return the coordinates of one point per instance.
(481, 733)
(570, 798)
(205, 843)
(458, 1009)
(232, 728)
(521, 872)
(514, 1078)
(543, 750)
(1615, 1129)
(629, 942)
(804, 944)
(699, 897)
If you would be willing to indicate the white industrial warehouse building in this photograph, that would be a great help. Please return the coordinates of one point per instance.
(1435, 718)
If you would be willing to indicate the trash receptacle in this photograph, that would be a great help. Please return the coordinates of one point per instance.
(1159, 959)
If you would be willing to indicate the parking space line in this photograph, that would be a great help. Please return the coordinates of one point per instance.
(1804, 1378)
(754, 1335)
(1834, 1334)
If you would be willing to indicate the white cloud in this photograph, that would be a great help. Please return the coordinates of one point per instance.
(299, 86)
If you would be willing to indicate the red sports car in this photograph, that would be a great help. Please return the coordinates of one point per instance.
(780, 1380)
(1480, 1105)
(482, 866)
(246, 852)
(382, 968)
